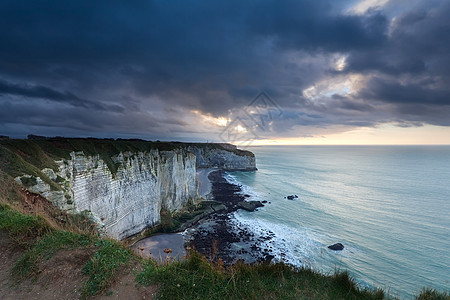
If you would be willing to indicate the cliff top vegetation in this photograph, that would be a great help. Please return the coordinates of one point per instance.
(29, 156)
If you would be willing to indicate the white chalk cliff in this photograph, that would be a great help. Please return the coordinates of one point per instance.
(226, 157)
(130, 200)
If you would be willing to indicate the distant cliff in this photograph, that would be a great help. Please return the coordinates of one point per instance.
(122, 184)
(223, 156)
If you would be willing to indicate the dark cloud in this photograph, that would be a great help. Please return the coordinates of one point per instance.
(392, 91)
(113, 67)
(47, 93)
(418, 43)
(351, 105)
(317, 26)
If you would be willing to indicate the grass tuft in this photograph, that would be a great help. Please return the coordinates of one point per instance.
(102, 267)
(344, 281)
(28, 181)
(10, 190)
(23, 229)
(432, 294)
(45, 248)
(195, 278)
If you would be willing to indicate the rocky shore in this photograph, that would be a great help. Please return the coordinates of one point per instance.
(217, 236)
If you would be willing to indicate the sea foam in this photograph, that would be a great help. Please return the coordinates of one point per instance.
(291, 245)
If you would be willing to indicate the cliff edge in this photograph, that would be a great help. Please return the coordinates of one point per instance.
(223, 156)
(121, 184)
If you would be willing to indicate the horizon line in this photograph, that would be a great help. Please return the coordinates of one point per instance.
(263, 145)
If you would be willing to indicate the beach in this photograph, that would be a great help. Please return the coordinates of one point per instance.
(218, 236)
(204, 184)
(155, 245)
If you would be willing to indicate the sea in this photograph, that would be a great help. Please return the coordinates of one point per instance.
(388, 205)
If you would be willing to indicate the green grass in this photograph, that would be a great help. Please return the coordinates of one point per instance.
(22, 228)
(28, 181)
(46, 241)
(195, 278)
(43, 242)
(29, 152)
(15, 162)
(9, 189)
(102, 267)
(432, 294)
(171, 222)
(38, 238)
(45, 248)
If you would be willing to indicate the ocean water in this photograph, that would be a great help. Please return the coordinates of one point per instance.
(388, 205)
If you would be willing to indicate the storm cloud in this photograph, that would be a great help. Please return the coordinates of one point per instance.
(171, 69)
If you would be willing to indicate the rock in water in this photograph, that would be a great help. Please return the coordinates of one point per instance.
(249, 205)
(336, 247)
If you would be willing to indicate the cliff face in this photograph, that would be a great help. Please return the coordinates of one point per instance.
(123, 184)
(130, 200)
(224, 156)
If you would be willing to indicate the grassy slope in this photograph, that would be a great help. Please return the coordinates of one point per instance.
(108, 258)
(196, 278)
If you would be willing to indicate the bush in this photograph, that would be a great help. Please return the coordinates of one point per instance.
(28, 181)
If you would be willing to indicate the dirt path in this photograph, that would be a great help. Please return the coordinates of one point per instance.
(124, 287)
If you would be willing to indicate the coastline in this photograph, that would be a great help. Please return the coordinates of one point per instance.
(219, 236)
(204, 184)
(155, 245)
(216, 233)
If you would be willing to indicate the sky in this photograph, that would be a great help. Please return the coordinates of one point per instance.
(248, 72)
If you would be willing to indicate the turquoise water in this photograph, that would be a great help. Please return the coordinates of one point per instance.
(389, 206)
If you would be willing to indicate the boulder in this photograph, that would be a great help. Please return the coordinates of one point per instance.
(219, 208)
(268, 258)
(249, 205)
(336, 247)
